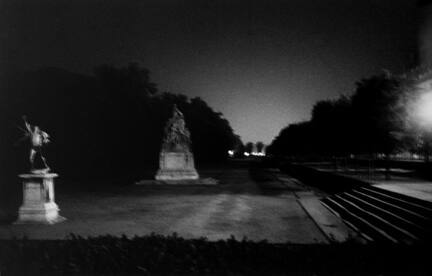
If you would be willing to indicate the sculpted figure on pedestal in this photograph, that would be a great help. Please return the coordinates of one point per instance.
(37, 139)
(177, 137)
(176, 162)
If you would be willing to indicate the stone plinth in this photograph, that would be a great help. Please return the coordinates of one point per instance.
(38, 199)
(176, 166)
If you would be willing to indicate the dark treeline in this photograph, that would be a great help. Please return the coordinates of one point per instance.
(374, 120)
(108, 125)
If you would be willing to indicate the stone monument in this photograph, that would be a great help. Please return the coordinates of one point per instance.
(38, 185)
(176, 162)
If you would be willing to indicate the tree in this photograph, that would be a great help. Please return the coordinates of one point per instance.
(377, 112)
(378, 115)
(370, 121)
(239, 148)
(331, 122)
(295, 140)
(106, 125)
(212, 135)
(249, 147)
(259, 146)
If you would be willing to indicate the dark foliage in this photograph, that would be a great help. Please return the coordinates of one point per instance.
(108, 125)
(368, 122)
(172, 255)
(259, 146)
(377, 114)
(296, 139)
(249, 147)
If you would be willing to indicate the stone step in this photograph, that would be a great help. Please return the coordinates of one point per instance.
(383, 215)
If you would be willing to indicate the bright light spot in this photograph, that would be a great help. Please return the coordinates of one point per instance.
(230, 153)
(423, 110)
(258, 153)
(246, 153)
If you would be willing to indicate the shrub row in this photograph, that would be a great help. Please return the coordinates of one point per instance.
(155, 254)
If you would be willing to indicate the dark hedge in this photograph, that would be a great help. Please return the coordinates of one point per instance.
(173, 255)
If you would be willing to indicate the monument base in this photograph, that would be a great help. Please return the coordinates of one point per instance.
(187, 182)
(38, 200)
(176, 166)
(175, 175)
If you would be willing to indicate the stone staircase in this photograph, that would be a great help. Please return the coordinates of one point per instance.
(383, 216)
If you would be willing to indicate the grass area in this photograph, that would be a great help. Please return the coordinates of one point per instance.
(172, 255)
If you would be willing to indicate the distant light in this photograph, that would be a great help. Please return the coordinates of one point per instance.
(258, 153)
(246, 153)
(231, 153)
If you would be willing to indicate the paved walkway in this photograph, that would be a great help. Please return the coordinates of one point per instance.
(407, 185)
(401, 180)
(238, 206)
(410, 187)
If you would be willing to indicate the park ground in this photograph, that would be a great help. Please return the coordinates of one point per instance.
(402, 180)
(258, 206)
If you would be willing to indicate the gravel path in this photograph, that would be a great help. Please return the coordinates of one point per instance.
(237, 206)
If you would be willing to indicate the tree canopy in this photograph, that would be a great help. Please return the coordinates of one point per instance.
(109, 124)
(368, 122)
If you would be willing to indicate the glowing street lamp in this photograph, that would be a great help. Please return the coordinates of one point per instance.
(420, 110)
(423, 111)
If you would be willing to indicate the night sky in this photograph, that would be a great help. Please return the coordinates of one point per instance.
(263, 64)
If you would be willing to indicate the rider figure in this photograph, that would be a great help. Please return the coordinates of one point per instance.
(37, 139)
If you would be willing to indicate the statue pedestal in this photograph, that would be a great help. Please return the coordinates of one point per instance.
(176, 166)
(38, 199)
